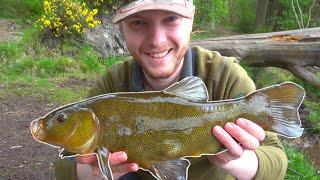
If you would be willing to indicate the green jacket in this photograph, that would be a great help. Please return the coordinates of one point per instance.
(225, 79)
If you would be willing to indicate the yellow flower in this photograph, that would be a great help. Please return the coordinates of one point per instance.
(90, 25)
(89, 19)
(95, 11)
(47, 22)
(85, 12)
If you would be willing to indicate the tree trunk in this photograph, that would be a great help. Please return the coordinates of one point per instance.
(271, 8)
(291, 50)
(261, 13)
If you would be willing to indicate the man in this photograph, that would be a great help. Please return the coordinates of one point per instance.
(157, 35)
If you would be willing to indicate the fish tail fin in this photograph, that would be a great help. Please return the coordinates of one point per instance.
(284, 102)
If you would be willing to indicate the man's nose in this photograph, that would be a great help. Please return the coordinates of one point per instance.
(157, 35)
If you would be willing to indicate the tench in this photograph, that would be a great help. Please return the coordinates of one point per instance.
(159, 129)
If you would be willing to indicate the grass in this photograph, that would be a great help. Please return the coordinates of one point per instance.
(28, 9)
(30, 69)
(299, 167)
(313, 116)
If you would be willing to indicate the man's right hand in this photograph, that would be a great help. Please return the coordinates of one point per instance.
(117, 161)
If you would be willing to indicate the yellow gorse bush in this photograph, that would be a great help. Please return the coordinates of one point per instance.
(64, 18)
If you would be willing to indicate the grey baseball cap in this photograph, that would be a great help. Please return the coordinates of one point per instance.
(182, 7)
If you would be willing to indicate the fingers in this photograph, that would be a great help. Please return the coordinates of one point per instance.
(244, 134)
(252, 128)
(119, 167)
(124, 168)
(87, 159)
(117, 158)
(243, 137)
(227, 141)
(117, 161)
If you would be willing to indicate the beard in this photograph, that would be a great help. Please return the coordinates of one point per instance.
(154, 74)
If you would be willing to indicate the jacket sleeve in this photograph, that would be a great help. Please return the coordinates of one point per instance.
(65, 169)
(272, 158)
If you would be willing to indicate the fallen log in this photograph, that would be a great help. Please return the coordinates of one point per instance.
(292, 50)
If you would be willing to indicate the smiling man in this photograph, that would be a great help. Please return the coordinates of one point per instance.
(157, 34)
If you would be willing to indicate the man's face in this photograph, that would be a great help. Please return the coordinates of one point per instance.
(158, 40)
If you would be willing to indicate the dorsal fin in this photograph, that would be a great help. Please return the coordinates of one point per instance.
(190, 88)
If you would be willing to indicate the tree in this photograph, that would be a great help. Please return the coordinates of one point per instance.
(261, 14)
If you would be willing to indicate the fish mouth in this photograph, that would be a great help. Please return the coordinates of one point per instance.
(36, 130)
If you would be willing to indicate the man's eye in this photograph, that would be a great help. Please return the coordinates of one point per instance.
(137, 22)
(171, 18)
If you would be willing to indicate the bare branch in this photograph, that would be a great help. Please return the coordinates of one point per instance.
(295, 13)
(301, 14)
(304, 74)
(310, 10)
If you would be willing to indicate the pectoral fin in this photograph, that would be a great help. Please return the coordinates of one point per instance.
(176, 169)
(103, 161)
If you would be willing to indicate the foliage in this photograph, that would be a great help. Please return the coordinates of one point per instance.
(211, 11)
(308, 86)
(313, 116)
(269, 76)
(298, 166)
(284, 17)
(62, 18)
(102, 5)
(245, 13)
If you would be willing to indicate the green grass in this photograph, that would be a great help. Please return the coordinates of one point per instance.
(42, 89)
(21, 10)
(299, 167)
(30, 69)
(313, 116)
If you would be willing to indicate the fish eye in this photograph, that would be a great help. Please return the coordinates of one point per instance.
(61, 118)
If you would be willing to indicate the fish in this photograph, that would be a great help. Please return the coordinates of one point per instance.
(159, 130)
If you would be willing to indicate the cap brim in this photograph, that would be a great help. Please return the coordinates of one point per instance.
(184, 11)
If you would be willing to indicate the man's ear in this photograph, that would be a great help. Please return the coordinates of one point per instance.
(120, 26)
(191, 24)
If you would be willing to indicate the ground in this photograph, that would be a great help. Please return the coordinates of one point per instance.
(24, 158)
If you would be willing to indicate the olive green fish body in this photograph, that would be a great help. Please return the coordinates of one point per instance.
(159, 129)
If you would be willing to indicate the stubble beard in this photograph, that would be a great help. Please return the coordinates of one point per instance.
(166, 74)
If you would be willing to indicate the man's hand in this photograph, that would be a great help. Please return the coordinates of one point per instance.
(117, 161)
(241, 139)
